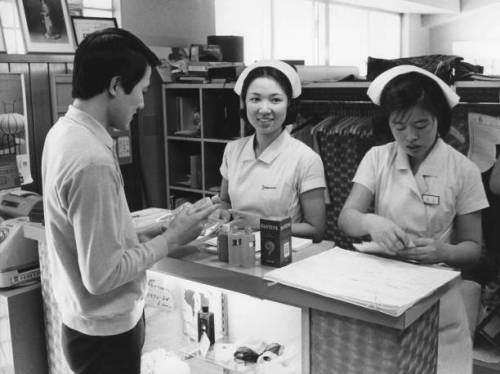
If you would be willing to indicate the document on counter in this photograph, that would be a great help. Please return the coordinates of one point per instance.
(372, 282)
(484, 135)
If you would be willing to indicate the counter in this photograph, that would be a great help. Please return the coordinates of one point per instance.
(336, 336)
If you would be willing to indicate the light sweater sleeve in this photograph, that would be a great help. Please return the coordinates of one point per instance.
(95, 210)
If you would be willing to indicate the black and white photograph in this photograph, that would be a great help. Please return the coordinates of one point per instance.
(250, 187)
(82, 26)
(45, 25)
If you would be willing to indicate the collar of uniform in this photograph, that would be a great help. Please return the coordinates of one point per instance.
(270, 153)
(95, 127)
(431, 164)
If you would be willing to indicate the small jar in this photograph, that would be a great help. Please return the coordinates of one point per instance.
(222, 242)
(234, 246)
(248, 248)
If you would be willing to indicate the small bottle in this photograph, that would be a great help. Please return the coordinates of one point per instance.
(222, 242)
(234, 246)
(206, 324)
(248, 248)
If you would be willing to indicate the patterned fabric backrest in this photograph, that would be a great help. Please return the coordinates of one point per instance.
(341, 152)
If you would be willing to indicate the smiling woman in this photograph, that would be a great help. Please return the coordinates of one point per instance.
(271, 174)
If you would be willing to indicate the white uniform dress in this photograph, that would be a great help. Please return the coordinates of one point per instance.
(270, 185)
(450, 184)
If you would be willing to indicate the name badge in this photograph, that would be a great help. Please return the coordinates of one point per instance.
(430, 199)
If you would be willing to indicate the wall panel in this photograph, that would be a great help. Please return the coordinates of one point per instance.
(36, 70)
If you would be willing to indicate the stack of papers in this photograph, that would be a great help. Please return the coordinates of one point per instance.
(376, 283)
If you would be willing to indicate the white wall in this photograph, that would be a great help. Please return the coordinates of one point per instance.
(415, 37)
(476, 23)
(169, 22)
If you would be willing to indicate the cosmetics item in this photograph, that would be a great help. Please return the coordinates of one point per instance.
(248, 248)
(206, 324)
(276, 241)
(222, 242)
(235, 241)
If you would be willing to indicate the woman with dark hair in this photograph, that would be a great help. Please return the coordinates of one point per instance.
(270, 173)
(427, 196)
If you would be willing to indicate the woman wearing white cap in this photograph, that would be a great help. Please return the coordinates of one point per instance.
(270, 173)
(427, 196)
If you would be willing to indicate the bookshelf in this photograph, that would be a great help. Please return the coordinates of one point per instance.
(61, 98)
(199, 120)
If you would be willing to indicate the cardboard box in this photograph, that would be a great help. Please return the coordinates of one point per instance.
(276, 241)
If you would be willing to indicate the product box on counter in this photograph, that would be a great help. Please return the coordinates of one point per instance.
(276, 241)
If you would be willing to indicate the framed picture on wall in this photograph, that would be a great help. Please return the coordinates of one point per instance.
(45, 25)
(3, 46)
(82, 26)
(14, 134)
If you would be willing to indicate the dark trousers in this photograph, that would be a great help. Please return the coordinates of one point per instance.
(114, 354)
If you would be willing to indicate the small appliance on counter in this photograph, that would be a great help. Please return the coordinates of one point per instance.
(18, 255)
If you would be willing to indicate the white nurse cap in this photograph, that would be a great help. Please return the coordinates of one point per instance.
(286, 69)
(377, 86)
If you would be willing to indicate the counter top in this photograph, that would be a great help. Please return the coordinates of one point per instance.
(196, 264)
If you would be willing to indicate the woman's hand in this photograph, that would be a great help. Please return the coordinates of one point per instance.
(221, 214)
(426, 251)
(386, 233)
(244, 219)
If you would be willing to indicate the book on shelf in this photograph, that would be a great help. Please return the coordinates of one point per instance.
(188, 114)
(218, 80)
(193, 132)
(195, 169)
(193, 79)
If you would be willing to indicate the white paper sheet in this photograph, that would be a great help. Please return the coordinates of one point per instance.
(484, 135)
(376, 283)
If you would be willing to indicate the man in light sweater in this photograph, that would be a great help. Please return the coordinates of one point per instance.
(97, 260)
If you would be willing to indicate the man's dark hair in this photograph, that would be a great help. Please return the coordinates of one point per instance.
(283, 82)
(406, 90)
(105, 54)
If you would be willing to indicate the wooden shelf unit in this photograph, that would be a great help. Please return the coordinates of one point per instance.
(209, 116)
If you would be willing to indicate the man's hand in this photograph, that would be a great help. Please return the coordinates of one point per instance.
(150, 233)
(188, 224)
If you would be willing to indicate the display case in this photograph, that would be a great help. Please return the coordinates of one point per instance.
(22, 339)
(199, 120)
